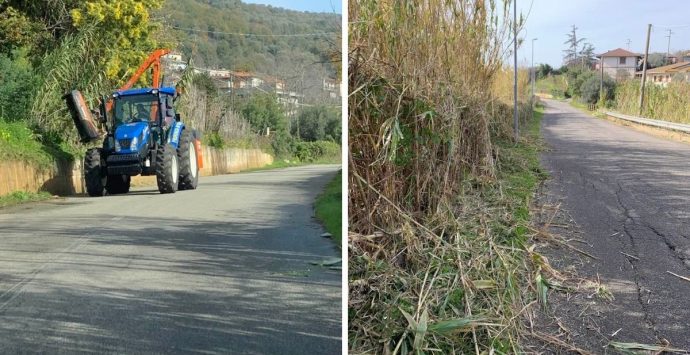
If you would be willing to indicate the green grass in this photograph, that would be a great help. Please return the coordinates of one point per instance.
(19, 197)
(520, 170)
(328, 208)
(18, 142)
(554, 85)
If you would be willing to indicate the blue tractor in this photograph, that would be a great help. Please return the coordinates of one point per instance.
(143, 136)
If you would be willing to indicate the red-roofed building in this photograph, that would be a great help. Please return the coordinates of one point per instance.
(619, 63)
(668, 73)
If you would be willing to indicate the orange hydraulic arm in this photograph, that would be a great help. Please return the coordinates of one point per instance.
(153, 60)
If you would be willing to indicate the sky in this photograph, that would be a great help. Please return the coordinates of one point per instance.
(304, 5)
(607, 24)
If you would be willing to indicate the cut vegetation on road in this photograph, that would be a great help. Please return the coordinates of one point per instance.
(440, 255)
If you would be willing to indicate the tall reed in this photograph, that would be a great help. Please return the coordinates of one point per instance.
(671, 103)
(421, 101)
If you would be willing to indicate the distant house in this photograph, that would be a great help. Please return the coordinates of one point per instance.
(619, 63)
(173, 62)
(176, 57)
(685, 57)
(219, 73)
(669, 73)
(331, 86)
(243, 80)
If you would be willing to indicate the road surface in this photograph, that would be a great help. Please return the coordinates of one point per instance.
(223, 269)
(628, 192)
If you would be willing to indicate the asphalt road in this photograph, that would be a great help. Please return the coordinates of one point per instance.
(222, 269)
(627, 192)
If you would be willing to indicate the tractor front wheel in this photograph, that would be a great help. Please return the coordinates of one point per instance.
(167, 169)
(93, 173)
(187, 154)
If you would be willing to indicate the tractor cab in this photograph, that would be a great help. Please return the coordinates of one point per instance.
(141, 119)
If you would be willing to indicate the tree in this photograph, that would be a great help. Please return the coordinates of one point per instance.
(17, 83)
(589, 89)
(571, 53)
(656, 60)
(334, 129)
(587, 55)
(575, 77)
(543, 70)
(318, 123)
(263, 111)
(125, 30)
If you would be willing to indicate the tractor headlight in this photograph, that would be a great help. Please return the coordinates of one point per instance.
(117, 146)
(133, 145)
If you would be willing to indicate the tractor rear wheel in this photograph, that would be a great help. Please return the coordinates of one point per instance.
(167, 169)
(187, 154)
(118, 184)
(93, 173)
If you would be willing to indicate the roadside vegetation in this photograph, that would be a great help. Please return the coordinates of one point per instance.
(439, 192)
(48, 48)
(671, 103)
(328, 208)
(19, 197)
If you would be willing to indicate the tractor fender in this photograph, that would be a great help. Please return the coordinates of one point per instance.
(174, 134)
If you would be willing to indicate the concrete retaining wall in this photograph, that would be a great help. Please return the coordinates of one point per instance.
(66, 178)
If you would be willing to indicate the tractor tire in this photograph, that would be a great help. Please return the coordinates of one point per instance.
(167, 169)
(93, 173)
(118, 184)
(187, 156)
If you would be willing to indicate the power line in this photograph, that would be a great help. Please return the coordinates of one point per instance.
(672, 26)
(257, 34)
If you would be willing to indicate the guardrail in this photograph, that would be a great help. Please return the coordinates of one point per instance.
(650, 122)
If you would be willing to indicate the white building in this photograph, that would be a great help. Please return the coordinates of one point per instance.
(619, 63)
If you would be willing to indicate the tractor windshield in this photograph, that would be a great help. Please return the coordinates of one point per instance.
(135, 108)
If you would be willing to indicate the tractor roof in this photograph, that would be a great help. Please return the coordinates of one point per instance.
(141, 91)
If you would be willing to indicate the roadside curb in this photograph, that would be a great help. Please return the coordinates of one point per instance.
(679, 127)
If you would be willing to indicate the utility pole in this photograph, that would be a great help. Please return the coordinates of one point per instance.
(668, 49)
(515, 72)
(628, 43)
(644, 68)
(534, 71)
(601, 78)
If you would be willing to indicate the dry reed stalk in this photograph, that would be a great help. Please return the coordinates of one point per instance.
(435, 264)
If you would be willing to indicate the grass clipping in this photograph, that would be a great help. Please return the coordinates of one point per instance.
(438, 193)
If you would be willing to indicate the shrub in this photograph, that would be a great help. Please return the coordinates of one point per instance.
(281, 144)
(589, 90)
(319, 151)
(317, 123)
(17, 83)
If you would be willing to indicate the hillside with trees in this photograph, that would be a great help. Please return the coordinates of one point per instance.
(295, 46)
